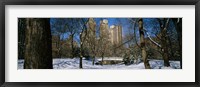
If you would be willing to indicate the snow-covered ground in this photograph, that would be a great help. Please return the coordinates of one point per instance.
(68, 63)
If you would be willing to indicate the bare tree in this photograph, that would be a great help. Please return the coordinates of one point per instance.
(82, 35)
(72, 29)
(142, 44)
(164, 48)
(163, 37)
(58, 26)
(38, 52)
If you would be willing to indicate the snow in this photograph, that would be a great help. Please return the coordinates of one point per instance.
(110, 58)
(67, 63)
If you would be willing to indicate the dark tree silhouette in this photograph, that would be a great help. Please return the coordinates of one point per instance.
(38, 52)
(163, 26)
(21, 37)
(178, 25)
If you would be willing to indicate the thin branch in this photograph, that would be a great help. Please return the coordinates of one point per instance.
(135, 34)
(152, 39)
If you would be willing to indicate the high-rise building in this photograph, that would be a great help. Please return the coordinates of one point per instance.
(112, 34)
(90, 31)
(91, 25)
(115, 35)
(104, 28)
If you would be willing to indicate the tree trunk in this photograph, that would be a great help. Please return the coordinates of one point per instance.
(81, 57)
(93, 60)
(59, 53)
(81, 49)
(102, 59)
(72, 45)
(142, 44)
(59, 46)
(171, 48)
(80, 64)
(21, 37)
(165, 57)
(164, 43)
(38, 51)
(178, 26)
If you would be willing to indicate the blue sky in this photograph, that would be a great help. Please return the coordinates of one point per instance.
(148, 23)
(111, 21)
(115, 21)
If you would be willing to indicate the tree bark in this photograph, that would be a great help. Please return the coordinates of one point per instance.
(171, 48)
(81, 58)
(21, 37)
(38, 51)
(164, 43)
(102, 59)
(142, 44)
(93, 60)
(178, 26)
(81, 51)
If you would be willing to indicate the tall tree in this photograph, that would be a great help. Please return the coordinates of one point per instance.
(21, 37)
(163, 27)
(82, 36)
(142, 44)
(178, 25)
(72, 29)
(58, 29)
(38, 52)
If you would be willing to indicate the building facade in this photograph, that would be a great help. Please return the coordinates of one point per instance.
(112, 33)
(104, 28)
(115, 34)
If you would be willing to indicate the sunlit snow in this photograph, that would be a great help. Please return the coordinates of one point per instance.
(67, 63)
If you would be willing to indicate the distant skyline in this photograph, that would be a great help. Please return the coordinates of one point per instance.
(149, 25)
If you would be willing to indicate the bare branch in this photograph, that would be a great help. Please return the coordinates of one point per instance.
(151, 39)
